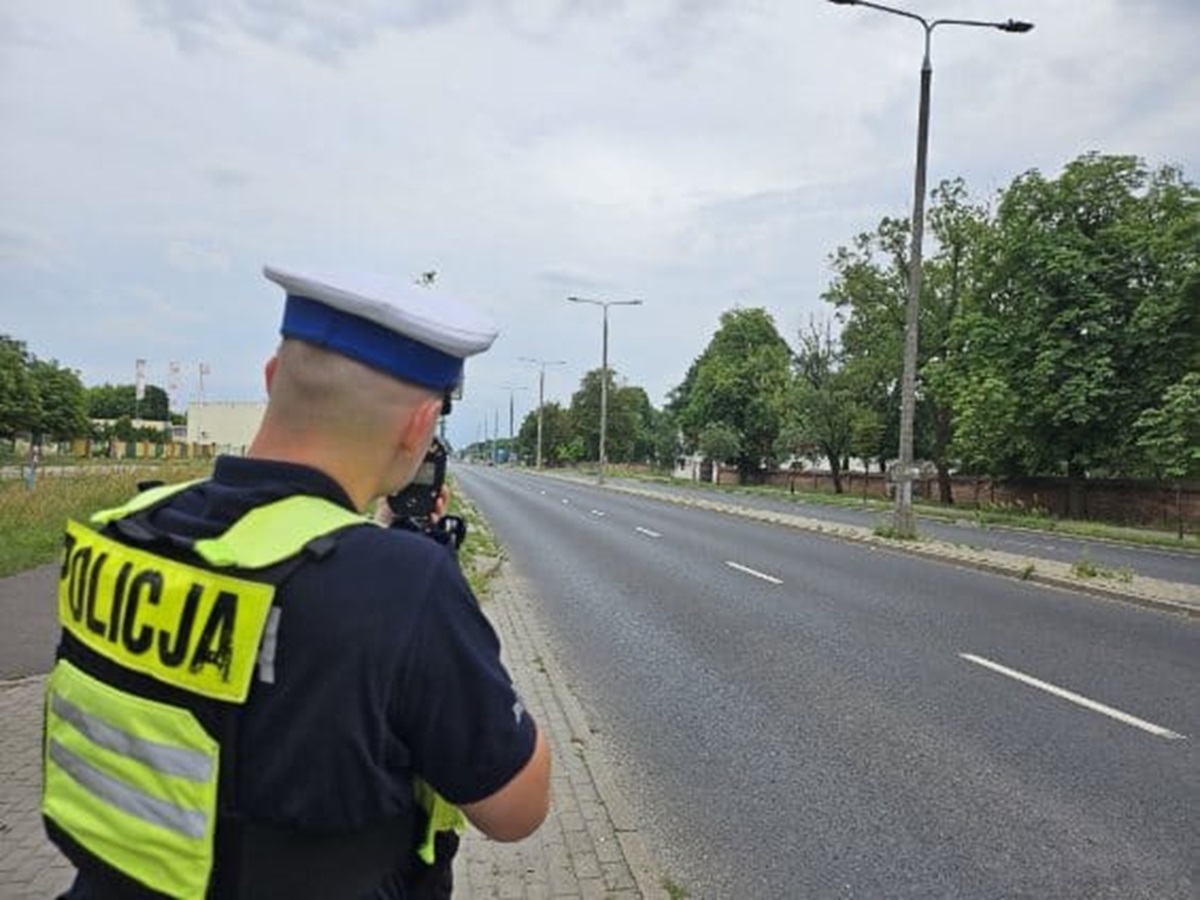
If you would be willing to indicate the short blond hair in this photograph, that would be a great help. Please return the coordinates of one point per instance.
(319, 393)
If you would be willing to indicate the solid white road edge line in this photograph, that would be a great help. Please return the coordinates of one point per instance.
(754, 572)
(647, 532)
(1157, 730)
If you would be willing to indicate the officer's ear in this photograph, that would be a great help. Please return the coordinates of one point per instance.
(417, 427)
(269, 370)
(428, 412)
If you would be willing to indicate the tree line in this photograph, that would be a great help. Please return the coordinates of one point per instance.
(43, 401)
(1059, 335)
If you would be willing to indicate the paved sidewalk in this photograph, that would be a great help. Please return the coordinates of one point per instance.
(29, 865)
(589, 847)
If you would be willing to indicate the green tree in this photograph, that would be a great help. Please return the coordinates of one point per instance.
(951, 275)
(20, 403)
(626, 406)
(741, 380)
(1168, 435)
(63, 412)
(108, 401)
(1083, 314)
(557, 434)
(720, 442)
(822, 407)
(869, 292)
(665, 441)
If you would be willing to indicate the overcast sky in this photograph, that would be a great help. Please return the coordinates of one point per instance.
(696, 154)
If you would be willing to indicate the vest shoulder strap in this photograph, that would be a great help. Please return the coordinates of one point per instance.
(265, 536)
(269, 534)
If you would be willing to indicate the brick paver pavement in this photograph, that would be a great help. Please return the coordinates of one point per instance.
(589, 847)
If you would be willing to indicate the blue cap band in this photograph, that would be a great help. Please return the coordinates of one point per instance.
(305, 319)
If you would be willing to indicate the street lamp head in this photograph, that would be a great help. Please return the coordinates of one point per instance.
(844, 2)
(1013, 25)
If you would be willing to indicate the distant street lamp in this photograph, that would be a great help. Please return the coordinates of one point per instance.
(904, 523)
(604, 374)
(512, 389)
(541, 364)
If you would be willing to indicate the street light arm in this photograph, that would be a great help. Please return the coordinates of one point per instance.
(887, 9)
(1012, 25)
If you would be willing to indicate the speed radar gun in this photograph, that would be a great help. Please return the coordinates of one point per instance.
(413, 506)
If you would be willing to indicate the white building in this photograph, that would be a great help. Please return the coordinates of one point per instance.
(230, 427)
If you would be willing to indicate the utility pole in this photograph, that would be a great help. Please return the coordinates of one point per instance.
(541, 364)
(904, 522)
(605, 304)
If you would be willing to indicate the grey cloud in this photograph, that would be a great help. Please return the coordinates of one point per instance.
(225, 179)
(319, 29)
(567, 278)
(26, 248)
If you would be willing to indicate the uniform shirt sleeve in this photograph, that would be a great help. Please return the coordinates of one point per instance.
(463, 721)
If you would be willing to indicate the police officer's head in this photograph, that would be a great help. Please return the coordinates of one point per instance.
(364, 370)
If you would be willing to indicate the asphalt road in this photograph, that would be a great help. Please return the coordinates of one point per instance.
(1180, 565)
(793, 716)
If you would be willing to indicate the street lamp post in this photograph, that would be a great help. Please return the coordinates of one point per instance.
(605, 304)
(541, 364)
(512, 389)
(904, 522)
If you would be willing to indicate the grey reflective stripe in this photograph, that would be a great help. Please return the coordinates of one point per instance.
(178, 761)
(266, 652)
(191, 823)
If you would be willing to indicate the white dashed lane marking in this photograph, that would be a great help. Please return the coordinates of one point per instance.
(1109, 711)
(757, 574)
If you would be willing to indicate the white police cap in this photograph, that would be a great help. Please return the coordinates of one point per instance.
(410, 332)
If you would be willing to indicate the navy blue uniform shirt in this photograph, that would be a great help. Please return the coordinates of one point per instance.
(384, 667)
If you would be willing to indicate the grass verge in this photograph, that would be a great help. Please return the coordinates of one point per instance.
(983, 516)
(481, 552)
(32, 521)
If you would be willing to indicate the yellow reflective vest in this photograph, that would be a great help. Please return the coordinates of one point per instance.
(131, 780)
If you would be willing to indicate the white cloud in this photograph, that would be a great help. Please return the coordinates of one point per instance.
(187, 257)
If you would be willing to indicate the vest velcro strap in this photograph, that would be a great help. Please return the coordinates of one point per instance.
(270, 534)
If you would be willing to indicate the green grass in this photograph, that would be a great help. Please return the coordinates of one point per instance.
(674, 890)
(1086, 567)
(32, 521)
(480, 546)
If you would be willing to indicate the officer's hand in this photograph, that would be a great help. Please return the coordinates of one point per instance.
(440, 505)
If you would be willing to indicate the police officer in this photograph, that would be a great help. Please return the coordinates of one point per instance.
(259, 693)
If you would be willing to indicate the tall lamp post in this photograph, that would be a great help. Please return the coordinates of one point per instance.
(541, 364)
(605, 304)
(512, 389)
(904, 523)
